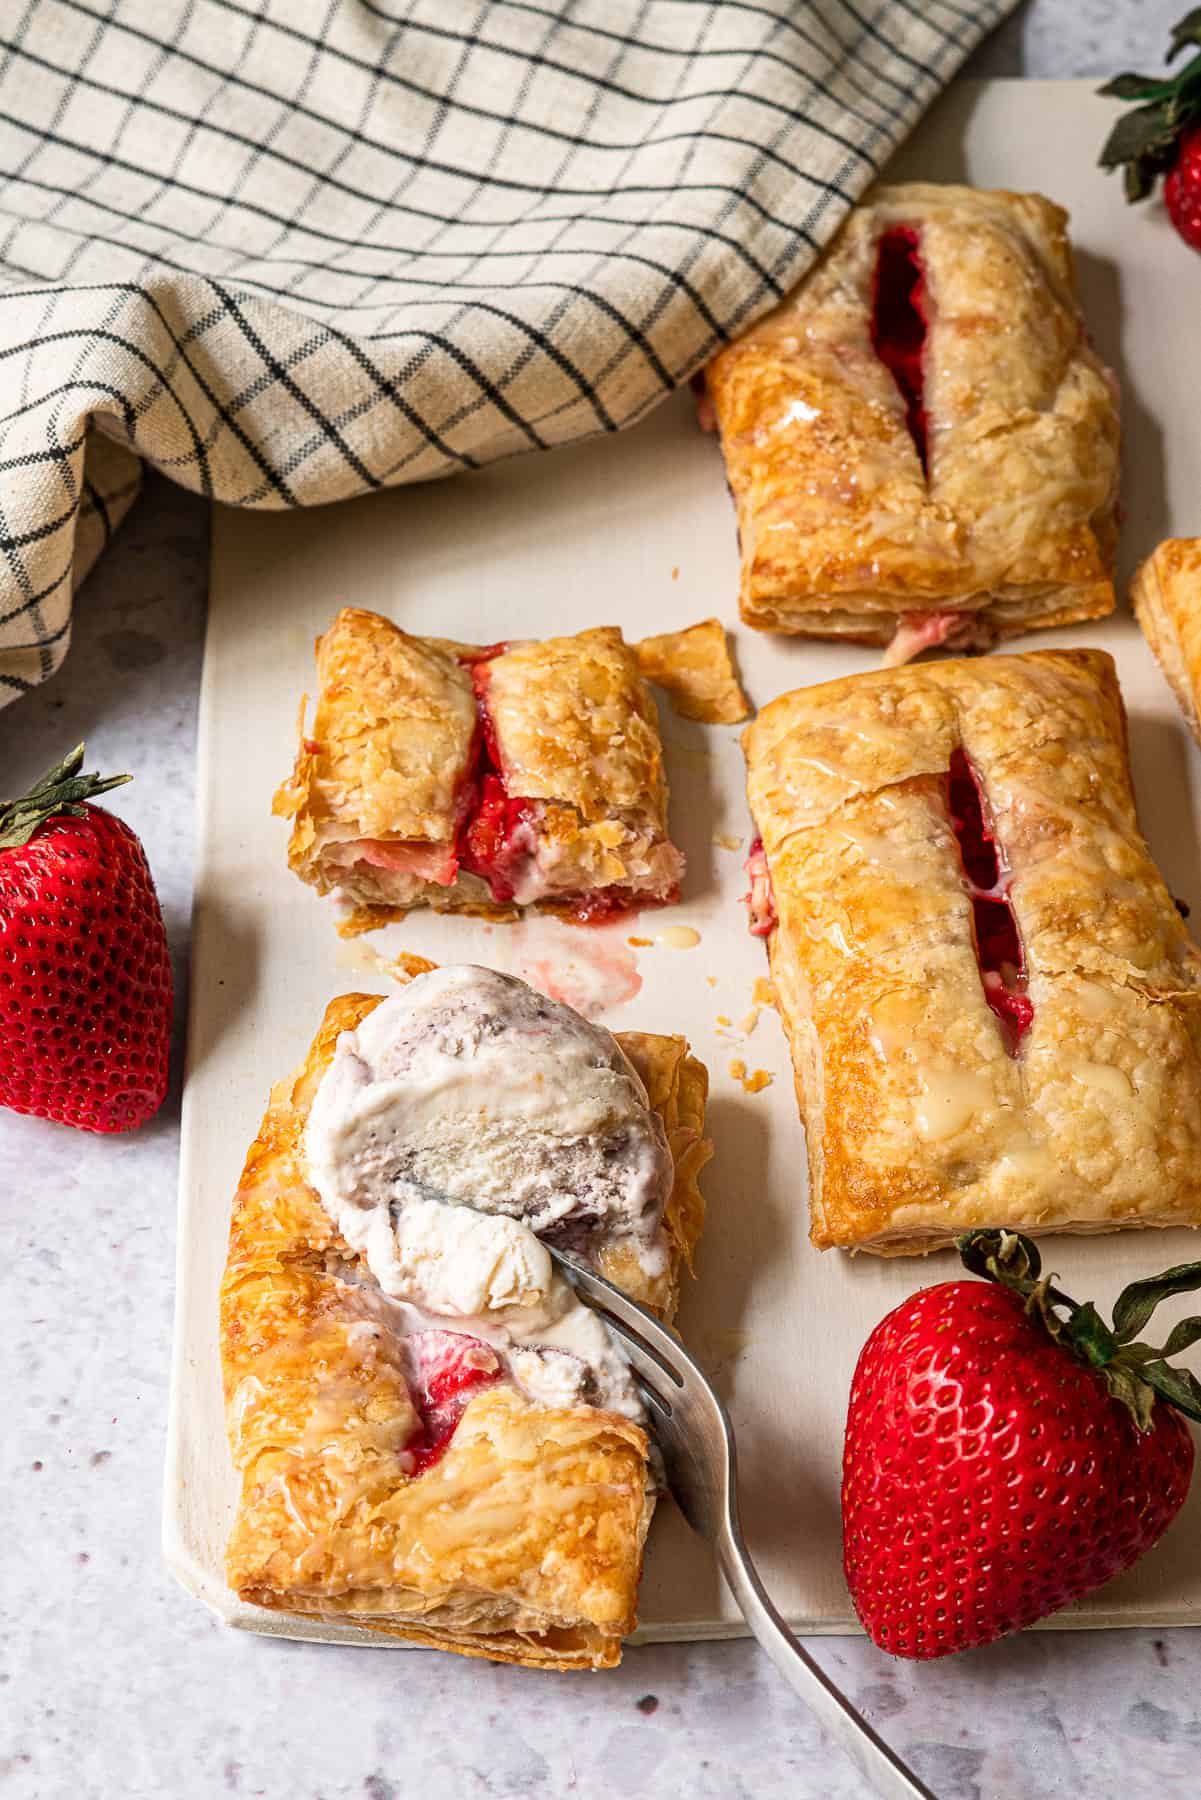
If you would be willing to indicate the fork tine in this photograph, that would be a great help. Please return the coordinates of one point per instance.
(610, 1299)
(650, 1368)
(659, 1407)
(651, 1350)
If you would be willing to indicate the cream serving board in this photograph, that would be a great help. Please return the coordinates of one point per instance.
(638, 531)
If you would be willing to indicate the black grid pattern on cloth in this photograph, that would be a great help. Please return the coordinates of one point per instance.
(293, 250)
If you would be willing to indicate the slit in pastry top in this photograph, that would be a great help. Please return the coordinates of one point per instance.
(898, 327)
(995, 935)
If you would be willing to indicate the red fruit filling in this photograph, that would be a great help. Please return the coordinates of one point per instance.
(449, 1368)
(760, 902)
(497, 832)
(495, 837)
(899, 322)
(999, 952)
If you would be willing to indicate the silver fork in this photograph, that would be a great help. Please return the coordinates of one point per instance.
(692, 1429)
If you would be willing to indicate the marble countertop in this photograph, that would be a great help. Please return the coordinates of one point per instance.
(115, 1682)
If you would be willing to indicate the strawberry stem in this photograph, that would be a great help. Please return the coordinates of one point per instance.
(61, 791)
(1135, 1373)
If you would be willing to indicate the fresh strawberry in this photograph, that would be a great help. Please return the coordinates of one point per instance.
(448, 1368)
(85, 978)
(1162, 135)
(1007, 1451)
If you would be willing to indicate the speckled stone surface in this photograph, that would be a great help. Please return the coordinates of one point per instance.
(116, 1686)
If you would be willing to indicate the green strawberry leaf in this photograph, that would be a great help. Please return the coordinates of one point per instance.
(1135, 1304)
(1182, 1336)
(1146, 130)
(1132, 1391)
(61, 790)
(1088, 1333)
(1179, 1386)
(1136, 87)
(1185, 31)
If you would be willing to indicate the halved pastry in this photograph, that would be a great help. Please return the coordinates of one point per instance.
(482, 779)
(1166, 593)
(993, 1006)
(921, 443)
(436, 1439)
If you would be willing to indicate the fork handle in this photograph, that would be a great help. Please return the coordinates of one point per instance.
(878, 1765)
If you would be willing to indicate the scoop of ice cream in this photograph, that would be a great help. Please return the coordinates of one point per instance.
(469, 1087)
(461, 1117)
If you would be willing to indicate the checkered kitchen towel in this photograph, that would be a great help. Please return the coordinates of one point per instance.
(289, 250)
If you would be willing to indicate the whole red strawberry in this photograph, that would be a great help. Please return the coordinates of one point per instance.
(85, 977)
(1007, 1451)
(1162, 135)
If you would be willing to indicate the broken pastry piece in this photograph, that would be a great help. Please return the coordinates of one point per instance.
(696, 671)
(993, 1006)
(435, 1438)
(1166, 595)
(481, 779)
(921, 443)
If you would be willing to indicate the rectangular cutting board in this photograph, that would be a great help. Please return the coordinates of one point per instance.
(637, 530)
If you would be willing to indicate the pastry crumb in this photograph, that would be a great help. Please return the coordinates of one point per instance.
(724, 841)
(712, 980)
(368, 918)
(675, 574)
(722, 1019)
(640, 943)
(748, 1023)
(695, 669)
(406, 966)
(763, 993)
(751, 1084)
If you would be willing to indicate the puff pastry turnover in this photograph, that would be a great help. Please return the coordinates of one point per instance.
(483, 779)
(921, 444)
(408, 1476)
(993, 1006)
(1166, 593)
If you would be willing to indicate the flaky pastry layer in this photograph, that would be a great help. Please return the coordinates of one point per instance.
(524, 1542)
(922, 1117)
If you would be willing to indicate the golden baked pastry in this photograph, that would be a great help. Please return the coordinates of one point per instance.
(1166, 595)
(696, 671)
(480, 779)
(993, 1006)
(921, 443)
(398, 1470)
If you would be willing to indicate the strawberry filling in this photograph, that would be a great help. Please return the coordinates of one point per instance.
(497, 837)
(760, 902)
(899, 324)
(428, 862)
(448, 1368)
(999, 952)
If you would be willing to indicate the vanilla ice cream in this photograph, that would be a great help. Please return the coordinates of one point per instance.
(463, 1117)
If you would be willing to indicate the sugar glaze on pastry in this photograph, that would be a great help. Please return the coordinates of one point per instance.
(993, 1005)
(921, 443)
